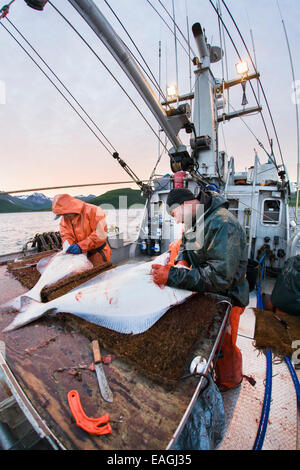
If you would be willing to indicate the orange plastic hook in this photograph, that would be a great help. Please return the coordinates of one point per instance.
(91, 425)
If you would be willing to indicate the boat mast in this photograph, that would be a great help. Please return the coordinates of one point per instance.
(205, 160)
(172, 120)
(205, 112)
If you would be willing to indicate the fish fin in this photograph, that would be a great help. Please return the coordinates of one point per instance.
(27, 302)
(14, 303)
(30, 310)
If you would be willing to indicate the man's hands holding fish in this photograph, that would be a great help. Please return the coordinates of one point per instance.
(160, 272)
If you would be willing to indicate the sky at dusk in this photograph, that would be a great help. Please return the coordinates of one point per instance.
(44, 143)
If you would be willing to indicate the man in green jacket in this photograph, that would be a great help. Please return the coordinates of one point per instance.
(214, 250)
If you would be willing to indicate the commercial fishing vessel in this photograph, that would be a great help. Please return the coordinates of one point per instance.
(46, 360)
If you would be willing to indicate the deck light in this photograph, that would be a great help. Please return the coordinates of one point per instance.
(242, 68)
(172, 91)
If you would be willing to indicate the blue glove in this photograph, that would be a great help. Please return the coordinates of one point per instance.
(74, 249)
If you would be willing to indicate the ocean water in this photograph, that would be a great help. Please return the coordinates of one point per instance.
(17, 228)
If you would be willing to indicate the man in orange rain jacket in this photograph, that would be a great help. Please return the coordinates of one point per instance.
(83, 226)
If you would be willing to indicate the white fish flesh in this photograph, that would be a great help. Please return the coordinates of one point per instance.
(53, 269)
(124, 299)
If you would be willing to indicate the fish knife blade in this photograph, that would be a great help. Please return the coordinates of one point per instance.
(102, 381)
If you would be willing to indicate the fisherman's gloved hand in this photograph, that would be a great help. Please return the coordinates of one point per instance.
(74, 249)
(160, 273)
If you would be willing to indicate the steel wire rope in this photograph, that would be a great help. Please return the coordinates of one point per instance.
(156, 165)
(257, 139)
(107, 69)
(177, 27)
(28, 190)
(296, 109)
(238, 54)
(153, 79)
(226, 29)
(259, 81)
(130, 172)
(60, 81)
(56, 87)
(221, 42)
(164, 21)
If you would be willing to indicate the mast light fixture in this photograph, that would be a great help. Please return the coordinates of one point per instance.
(172, 91)
(242, 68)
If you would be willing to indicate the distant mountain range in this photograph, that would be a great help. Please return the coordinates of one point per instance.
(40, 202)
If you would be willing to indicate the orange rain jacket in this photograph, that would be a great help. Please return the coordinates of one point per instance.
(88, 229)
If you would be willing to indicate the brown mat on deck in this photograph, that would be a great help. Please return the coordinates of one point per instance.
(163, 352)
(26, 273)
(276, 331)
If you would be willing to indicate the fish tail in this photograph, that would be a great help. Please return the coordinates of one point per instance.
(30, 310)
(14, 303)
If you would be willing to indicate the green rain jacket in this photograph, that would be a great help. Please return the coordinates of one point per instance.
(220, 264)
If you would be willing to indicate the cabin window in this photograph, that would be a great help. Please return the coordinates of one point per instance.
(271, 212)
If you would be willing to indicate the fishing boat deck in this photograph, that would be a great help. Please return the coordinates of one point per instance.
(52, 356)
(243, 406)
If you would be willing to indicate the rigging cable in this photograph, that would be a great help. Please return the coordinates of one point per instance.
(153, 79)
(176, 54)
(297, 111)
(240, 58)
(177, 27)
(49, 188)
(222, 60)
(259, 81)
(114, 154)
(5, 10)
(107, 69)
(190, 59)
(160, 153)
(225, 51)
(57, 88)
(58, 79)
(164, 21)
(270, 156)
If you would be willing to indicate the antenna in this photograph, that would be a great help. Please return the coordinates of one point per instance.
(189, 45)
(176, 54)
(255, 61)
(159, 82)
(253, 47)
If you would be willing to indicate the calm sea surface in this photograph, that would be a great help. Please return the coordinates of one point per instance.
(17, 228)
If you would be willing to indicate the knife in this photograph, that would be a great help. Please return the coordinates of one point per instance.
(103, 385)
